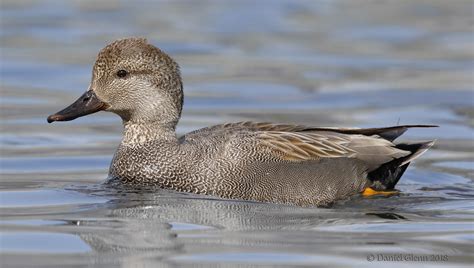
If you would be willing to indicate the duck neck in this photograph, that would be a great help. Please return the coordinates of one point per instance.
(138, 133)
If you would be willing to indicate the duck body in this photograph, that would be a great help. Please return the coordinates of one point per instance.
(265, 162)
(277, 163)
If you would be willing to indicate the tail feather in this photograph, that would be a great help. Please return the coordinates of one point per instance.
(417, 150)
(388, 133)
(387, 175)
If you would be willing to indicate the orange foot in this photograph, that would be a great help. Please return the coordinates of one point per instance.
(370, 192)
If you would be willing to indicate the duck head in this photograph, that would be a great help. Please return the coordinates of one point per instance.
(134, 80)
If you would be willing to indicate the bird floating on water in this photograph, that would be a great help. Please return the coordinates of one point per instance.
(277, 163)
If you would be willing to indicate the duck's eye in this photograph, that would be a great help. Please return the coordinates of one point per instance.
(122, 73)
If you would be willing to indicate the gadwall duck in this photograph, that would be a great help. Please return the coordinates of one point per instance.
(278, 163)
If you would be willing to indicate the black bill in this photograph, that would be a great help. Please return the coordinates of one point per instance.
(88, 103)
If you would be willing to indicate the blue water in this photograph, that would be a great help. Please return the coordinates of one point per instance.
(329, 63)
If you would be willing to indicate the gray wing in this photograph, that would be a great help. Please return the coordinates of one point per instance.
(388, 133)
(306, 146)
(373, 146)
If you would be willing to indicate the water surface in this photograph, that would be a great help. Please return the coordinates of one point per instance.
(329, 63)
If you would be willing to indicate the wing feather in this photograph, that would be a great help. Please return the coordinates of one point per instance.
(302, 143)
(303, 146)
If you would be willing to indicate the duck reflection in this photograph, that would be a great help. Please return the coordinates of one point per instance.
(142, 219)
(157, 224)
